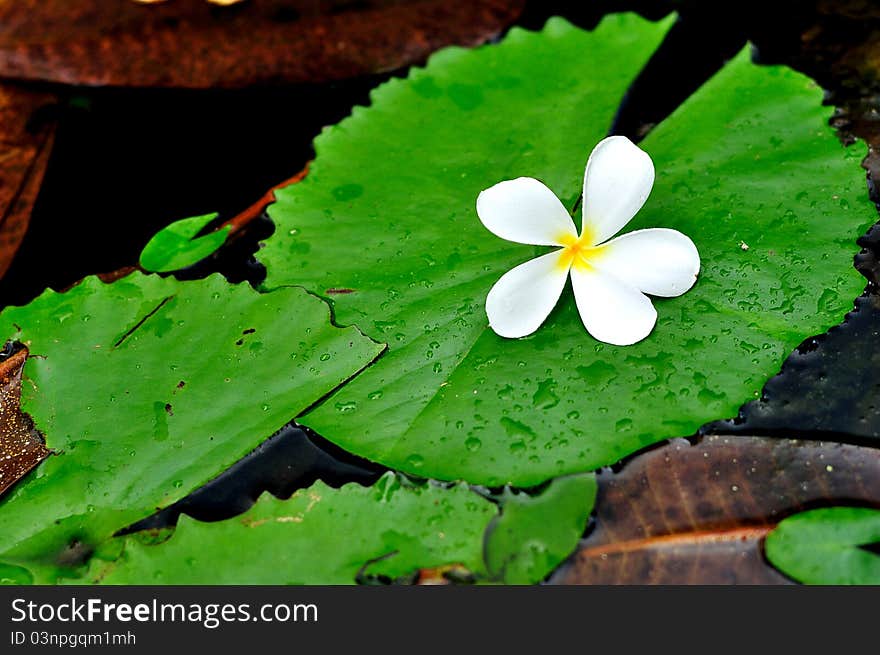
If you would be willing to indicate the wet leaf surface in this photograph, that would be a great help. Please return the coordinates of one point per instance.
(319, 536)
(472, 406)
(828, 387)
(745, 167)
(146, 389)
(697, 514)
(25, 144)
(21, 445)
(293, 458)
(189, 43)
(817, 404)
(535, 532)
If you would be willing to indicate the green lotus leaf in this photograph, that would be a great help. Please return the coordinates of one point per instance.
(147, 388)
(747, 168)
(828, 546)
(533, 534)
(319, 536)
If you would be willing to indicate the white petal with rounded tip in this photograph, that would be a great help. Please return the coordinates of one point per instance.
(658, 261)
(524, 210)
(612, 311)
(617, 181)
(524, 296)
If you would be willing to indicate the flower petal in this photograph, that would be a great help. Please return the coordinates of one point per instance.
(658, 261)
(617, 181)
(524, 296)
(524, 210)
(611, 310)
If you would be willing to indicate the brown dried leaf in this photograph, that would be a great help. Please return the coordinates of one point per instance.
(24, 153)
(697, 514)
(189, 43)
(21, 445)
(444, 575)
(222, 3)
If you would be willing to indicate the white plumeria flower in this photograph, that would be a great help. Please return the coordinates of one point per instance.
(609, 278)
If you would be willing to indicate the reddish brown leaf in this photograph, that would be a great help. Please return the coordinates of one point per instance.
(244, 217)
(224, 3)
(444, 575)
(189, 43)
(24, 153)
(21, 445)
(111, 276)
(697, 514)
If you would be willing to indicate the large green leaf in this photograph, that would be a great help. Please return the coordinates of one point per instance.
(747, 167)
(533, 534)
(147, 388)
(319, 536)
(828, 546)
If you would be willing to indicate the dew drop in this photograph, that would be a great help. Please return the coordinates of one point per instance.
(346, 406)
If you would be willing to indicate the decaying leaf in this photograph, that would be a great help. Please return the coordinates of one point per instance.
(21, 445)
(444, 575)
(24, 153)
(222, 3)
(189, 43)
(684, 513)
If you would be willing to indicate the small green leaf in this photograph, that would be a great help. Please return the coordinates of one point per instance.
(147, 388)
(319, 536)
(533, 534)
(174, 248)
(828, 546)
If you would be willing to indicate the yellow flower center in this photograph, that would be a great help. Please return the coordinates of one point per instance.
(578, 252)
